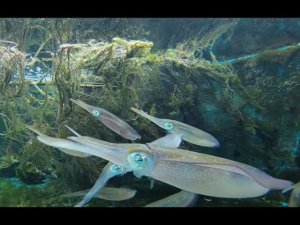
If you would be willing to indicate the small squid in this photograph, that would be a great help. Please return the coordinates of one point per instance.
(110, 120)
(107, 193)
(188, 133)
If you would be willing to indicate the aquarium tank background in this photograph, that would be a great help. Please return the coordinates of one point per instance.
(236, 79)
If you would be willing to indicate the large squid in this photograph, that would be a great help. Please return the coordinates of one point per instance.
(190, 171)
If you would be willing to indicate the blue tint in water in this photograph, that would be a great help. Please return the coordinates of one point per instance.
(280, 71)
(283, 48)
(295, 149)
(13, 180)
(252, 113)
(228, 61)
(18, 183)
(284, 204)
(36, 73)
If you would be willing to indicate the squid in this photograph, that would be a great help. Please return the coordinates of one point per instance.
(107, 193)
(110, 120)
(187, 132)
(190, 171)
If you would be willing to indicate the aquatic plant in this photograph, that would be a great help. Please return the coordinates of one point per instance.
(31, 196)
(29, 174)
(8, 164)
(179, 75)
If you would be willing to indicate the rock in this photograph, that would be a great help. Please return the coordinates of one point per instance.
(54, 175)
(51, 172)
(8, 165)
(29, 174)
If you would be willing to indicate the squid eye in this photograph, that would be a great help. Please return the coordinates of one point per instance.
(96, 112)
(168, 126)
(116, 169)
(138, 159)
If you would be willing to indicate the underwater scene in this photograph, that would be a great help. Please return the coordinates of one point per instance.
(149, 112)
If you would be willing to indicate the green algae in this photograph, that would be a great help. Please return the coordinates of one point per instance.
(121, 69)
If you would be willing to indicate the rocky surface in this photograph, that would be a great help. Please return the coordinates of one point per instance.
(29, 174)
(8, 165)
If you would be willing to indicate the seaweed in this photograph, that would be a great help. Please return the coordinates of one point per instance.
(250, 105)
